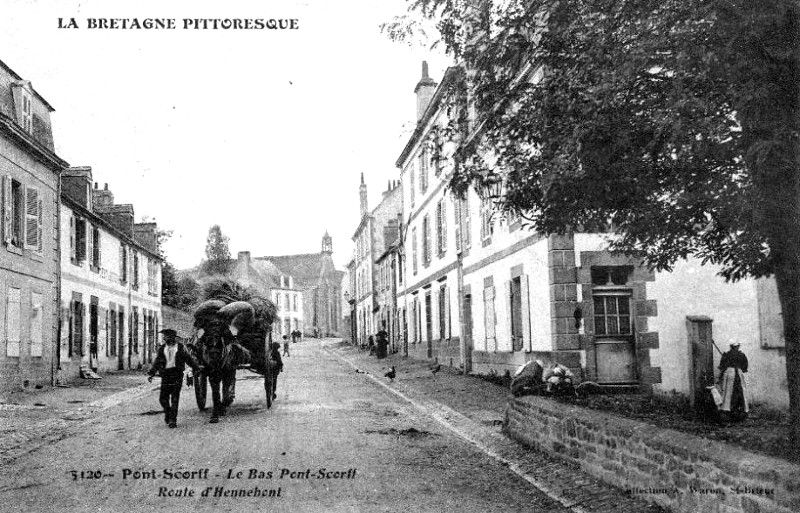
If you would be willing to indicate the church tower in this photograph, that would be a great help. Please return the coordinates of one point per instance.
(327, 243)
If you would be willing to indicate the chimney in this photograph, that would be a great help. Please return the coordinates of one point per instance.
(362, 192)
(146, 235)
(424, 91)
(243, 257)
(102, 198)
(120, 216)
(390, 233)
(76, 184)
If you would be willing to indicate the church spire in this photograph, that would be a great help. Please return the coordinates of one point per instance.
(362, 192)
(327, 243)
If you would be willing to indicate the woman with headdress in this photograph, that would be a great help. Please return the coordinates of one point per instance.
(732, 367)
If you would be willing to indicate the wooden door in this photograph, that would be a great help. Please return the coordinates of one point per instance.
(701, 357)
(614, 341)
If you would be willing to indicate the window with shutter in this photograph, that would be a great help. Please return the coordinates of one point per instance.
(90, 244)
(27, 112)
(489, 318)
(31, 218)
(95, 248)
(39, 247)
(426, 240)
(80, 240)
(14, 214)
(457, 222)
(73, 256)
(135, 272)
(13, 321)
(8, 210)
(439, 234)
(412, 181)
(414, 249)
(466, 234)
(37, 316)
(123, 264)
(423, 170)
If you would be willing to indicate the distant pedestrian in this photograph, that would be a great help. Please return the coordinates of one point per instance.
(294, 336)
(275, 356)
(371, 345)
(383, 341)
(286, 345)
(733, 366)
(170, 363)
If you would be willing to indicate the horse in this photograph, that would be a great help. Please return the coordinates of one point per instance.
(221, 355)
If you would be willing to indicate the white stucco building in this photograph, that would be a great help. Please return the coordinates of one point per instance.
(483, 292)
(110, 281)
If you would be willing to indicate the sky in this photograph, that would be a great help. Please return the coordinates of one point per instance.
(264, 132)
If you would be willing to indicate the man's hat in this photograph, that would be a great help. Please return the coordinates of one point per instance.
(734, 343)
(169, 332)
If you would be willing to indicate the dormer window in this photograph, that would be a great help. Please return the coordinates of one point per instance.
(26, 112)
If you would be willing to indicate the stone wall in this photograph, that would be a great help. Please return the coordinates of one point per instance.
(682, 472)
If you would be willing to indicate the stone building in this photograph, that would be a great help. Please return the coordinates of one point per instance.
(29, 256)
(377, 231)
(110, 281)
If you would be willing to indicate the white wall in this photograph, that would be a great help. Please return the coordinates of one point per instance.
(692, 289)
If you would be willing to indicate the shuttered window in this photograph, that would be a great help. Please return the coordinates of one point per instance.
(411, 189)
(33, 220)
(426, 240)
(27, 113)
(80, 240)
(414, 250)
(96, 254)
(123, 264)
(135, 272)
(14, 213)
(457, 223)
(423, 170)
(489, 318)
(466, 233)
(13, 321)
(37, 316)
(441, 228)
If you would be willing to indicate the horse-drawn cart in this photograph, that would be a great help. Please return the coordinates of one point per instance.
(231, 335)
(260, 363)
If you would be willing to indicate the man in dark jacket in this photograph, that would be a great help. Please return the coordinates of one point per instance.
(171, 361)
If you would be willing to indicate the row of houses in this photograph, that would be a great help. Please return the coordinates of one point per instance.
(451, 278)
(80, 281)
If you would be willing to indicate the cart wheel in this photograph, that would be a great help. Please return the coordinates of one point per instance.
(200, 389)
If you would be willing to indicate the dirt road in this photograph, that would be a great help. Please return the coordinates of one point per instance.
(333, 441)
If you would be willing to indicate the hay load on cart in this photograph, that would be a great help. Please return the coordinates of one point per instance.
(233, 325)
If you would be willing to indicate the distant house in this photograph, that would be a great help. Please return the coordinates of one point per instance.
(305, 288)
(279, 287)
(110, 281)
(315, 275)
(29, 270)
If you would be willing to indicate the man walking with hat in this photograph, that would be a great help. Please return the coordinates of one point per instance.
(170, 362)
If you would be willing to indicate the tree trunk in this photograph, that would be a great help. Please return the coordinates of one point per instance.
(788, 280)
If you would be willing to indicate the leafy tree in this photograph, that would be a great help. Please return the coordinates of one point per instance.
(218, 254)
(673, 121)
(169, 285)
